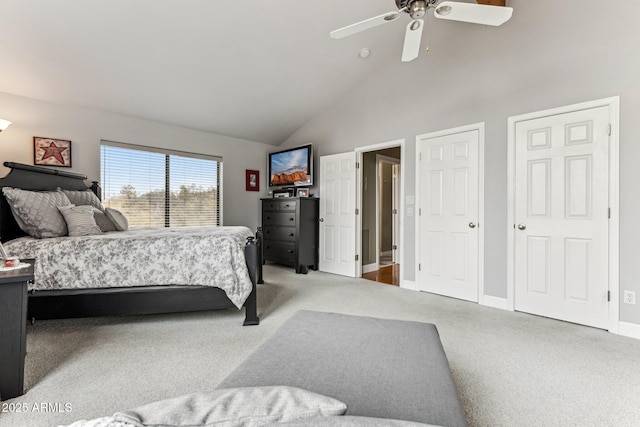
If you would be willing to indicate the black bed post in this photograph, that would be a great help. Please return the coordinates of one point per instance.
(95, 187)
(252, 257)
(260, 254)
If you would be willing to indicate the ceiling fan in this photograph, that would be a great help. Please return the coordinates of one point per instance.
(486, 12)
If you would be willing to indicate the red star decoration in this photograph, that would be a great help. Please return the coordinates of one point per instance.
(53, 151)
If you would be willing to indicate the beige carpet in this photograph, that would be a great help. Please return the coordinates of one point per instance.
(512, 369)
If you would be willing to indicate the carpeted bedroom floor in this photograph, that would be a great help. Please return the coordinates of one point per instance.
(511, 369)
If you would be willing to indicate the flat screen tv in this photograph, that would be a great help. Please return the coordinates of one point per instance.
(292, 167)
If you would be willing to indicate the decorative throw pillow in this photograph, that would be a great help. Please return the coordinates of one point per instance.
(80, 220)
(81, 198)
(37, 212)
(117, 218)
(103, 221)
(242, 406)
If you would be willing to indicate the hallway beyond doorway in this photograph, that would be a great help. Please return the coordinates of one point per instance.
(388, 274)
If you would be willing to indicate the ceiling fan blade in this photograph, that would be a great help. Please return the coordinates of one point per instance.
(412, 40)
(474, 13)
(364, 25)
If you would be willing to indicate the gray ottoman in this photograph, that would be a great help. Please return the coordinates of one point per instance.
(380, 368)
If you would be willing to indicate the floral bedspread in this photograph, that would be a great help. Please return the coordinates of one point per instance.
(206, 256)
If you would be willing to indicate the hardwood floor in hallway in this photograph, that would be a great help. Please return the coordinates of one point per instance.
(389, 274)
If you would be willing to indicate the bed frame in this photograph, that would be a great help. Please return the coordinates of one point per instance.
(63, 304)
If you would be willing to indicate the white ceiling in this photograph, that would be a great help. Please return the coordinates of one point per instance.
(255, 70)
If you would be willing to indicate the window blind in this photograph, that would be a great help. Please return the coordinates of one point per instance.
(161, 188)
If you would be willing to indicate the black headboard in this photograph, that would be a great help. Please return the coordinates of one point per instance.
(34, 178)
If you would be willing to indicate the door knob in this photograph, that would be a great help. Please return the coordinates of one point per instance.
(472, 225)
(521, 227)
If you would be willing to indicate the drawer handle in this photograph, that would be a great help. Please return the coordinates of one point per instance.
(290, 251)
(291, 234)
(292, 219)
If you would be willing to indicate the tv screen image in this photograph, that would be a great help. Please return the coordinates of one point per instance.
(291, 167)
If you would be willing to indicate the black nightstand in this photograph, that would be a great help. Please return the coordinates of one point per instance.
(13, 328)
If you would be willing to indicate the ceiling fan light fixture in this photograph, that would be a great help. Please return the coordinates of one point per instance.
(443, 10)
(392, 16)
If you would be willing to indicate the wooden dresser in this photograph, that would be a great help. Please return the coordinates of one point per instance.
(290, 232)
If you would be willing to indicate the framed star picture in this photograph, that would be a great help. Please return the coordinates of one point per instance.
(51, 152)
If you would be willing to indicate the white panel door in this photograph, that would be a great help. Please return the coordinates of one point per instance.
(561, 216)
(338, 214)
(448, 196)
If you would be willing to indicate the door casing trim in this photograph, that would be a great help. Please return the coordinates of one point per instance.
(359, 155)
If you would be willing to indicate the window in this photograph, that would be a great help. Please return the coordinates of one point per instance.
(161, 188)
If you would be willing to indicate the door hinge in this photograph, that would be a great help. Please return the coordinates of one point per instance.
(419, 267)
(420, 212)
(609, 130)
(609, 296)
(357, 211)
(395, 211)
(395, 247)
(420, 156)
(357, 257)
(357, 165)
(609, 213)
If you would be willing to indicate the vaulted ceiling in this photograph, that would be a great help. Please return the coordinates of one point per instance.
(255, 70)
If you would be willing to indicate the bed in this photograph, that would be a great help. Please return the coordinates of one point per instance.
(74, 291)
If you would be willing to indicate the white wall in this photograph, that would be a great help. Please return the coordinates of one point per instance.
(85, 128)
(552, 53)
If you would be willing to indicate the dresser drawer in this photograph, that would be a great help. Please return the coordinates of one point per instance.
(284, 250)
(287, 205)
(279, 233)
(270, 205)
(279, 218)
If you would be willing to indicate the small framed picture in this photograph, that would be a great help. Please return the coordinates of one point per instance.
(253, 180)
(303, 192)
(51, 152)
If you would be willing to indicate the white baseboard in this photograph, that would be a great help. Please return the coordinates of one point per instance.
(409, 284)
(369, 268)
(495, 302)
(631, 330)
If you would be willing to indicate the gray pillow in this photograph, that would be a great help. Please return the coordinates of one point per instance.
(80, 220)
(243, 406)
(37, 212)
(117, 218)
(81, 198)
(104, 223)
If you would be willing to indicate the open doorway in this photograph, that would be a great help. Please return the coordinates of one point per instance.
(380, 190)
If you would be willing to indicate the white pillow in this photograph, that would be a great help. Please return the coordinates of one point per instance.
(80, 221)
(242, 406)
(117, 218)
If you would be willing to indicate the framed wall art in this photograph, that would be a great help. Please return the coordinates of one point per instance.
(253, 180)
(51, 152)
